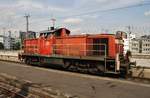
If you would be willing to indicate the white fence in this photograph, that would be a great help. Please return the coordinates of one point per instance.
(10, 53)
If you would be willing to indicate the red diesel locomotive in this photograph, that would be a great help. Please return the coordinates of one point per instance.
(101, 53)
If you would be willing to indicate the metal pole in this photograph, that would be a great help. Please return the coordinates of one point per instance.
(27, 23)
(129, 28)
(53, 22)
(105, 57)
(4, 37)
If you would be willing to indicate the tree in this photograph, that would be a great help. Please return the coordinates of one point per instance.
(16, 46)
(1, 46)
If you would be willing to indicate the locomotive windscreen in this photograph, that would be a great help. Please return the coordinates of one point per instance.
(100, 46)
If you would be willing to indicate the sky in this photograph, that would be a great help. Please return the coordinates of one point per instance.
(79, 16)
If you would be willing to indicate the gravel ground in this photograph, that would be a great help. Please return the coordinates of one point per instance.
(3, 94)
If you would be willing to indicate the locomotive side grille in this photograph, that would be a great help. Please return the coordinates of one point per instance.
(100, 45)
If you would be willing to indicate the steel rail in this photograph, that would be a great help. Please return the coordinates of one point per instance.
(12, 93)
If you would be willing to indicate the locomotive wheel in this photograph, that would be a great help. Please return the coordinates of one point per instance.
(125, 72)
(100, 68)
(66, 64)
(28, 61)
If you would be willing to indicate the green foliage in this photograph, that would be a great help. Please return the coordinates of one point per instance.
(16, 46)
(1, 46)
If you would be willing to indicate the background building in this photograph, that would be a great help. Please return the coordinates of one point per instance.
(135, 45)
(141, 45)
(128, 42)
(24, 35)
(9, 42)
(1, 39)
(145, 41)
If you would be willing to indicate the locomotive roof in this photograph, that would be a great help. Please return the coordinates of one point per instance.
(51, 31)
(92, 35)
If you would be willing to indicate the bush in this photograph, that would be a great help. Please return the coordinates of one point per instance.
(16, 46)
(1, 46)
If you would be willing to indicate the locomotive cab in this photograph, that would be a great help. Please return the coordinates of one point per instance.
(61, 32)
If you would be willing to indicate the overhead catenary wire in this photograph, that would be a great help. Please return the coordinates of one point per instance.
(98, 11)
(107, 10)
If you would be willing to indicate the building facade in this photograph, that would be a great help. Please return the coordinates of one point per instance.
(141, 45)
(128, 42)
(8, 42)
(29, 35)
(1, 39)
(135, 45)
(145, 45)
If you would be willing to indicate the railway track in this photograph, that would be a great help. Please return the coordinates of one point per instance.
(6, 92)
(12, 87)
